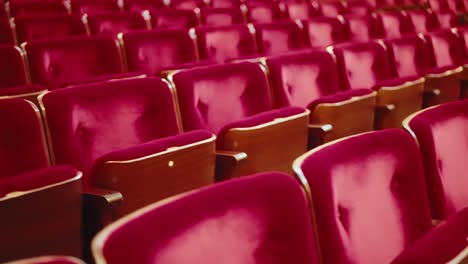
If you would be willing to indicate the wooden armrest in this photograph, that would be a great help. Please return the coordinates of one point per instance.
(102, 197)
(436, 222)
(433, 92)
(227, 163)
(317, 134)
(385, 108)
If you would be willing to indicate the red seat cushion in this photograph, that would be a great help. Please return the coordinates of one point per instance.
(22, 89)
(221, 16)
(115, 23)
(325, 31)
(279, 37)
(174, 19)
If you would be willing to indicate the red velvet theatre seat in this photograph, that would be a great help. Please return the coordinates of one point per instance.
(93, 6)
(422, 20)
(279, 37)
(124, 136)
(364, 28)
(358, 8)
(57, 63)
(6, 33)
(264, 12)
(441, 133)
(366, 66)
(49, 260)
(259, 219)
(186, 4)
(54, 26)
(155, 51)
(395, 24)
(221, 16)
(225, 43)
(33, 7)
(310, 79)
(324, 31)
(462, 33)
(298, 10)
(446, 19)
(41, 213)
(142, 5)
(174, 19)
(332, 8)
(113, 23)
(370, 205)
(233, 101)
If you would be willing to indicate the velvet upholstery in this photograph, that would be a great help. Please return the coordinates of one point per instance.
(300, 78)
(22, 90)
(462, 33)
(364, 28)
(368, 196)
(174, 19)
(6, 33)
(422, 20)
(246, 214)
(92, 6)
(49, 260)
(152, 51)
(23, 147)
(40, 27)
(441, 132)
(446, 19)
(186, 4)
(458, 6)
(32, 7)
(444, 47)
(242, 87)
(35, 179)
(298, 10)
(141, 5)
(358, 8)
(114, 23)
(221, 16)
(332, 9)
(439, 5)
(12, 67)
(325, 31)
(86, 122)
(263, 12)
(395, 24)
(225, 43)
(59, 62)
(279, 37)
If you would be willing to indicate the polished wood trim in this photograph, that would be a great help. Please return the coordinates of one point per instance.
(461, 258)
(47, 259)
(227, 162)
(408, 119)
(443, 87)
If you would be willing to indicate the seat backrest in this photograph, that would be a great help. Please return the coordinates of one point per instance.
(186, 4)
(252, 226)
(457, 5)
(264, 12)
(279, 37)
(446, 19)
(333, 8)
(54, 26)
(368, 196)
(152, 51)
(12, 66)
(32, 7)
(395, 24)
(364, 28)
(462, 33)
(225, 43)
(300, 78)
(214, 96)
(362, 64)
(49, 260)
(221, 16)
(141, 5)
(438, 5)
(6, 32)
(92, 6)
(226, 3)
(299, 10)
(174, 19)
(444, 47)
(358, 8)
(422, 20)
(441, 133)
(87, 121)
(59, 62)
(23, 145)
(325, 31)
(113, 23)
(409, 56)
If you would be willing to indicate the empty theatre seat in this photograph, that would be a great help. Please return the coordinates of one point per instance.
(440, 132)
(462, 33)
(127, 142)
(54, 26)
(446, 19)
(33, 7)
(233, 101)
(113, 23)
(364, 28)
(370, 203)
(358, 8)
(422, 20)
(225, 3)
(264, 12)
(299, 10)
(221, 16)
(57, 63)
(225, 43)
(41, 213)
(366, 66)
(6, 33)
(49, 260)
(395, 24)
(174, 19)
(186, 4)
(333, 8)
(253, 226)
(310, 79)
(92, 6)
(279, 37)
(156, 51)
(325, 31)
(141, 5)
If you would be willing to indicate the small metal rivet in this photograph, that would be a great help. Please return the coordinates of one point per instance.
(170, 164)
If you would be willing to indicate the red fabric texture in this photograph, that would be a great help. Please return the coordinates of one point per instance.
(60, 62)
(141, 5)
(369, 197)
(173, 19)
(152, 51)
(325, 31)
(22, 89)
(225, 43)
(213, 96)
(12, 67)
(462, 33)
(92, 6)
(298, 10)
(422, 20)
(50, 260)
(441, 135)
(332, 9)
(364, 28)
(31, 7)
(246, 214)
(338, 97)
(358, 8)
(395, 24)
(446, 19)
(263, 12)
(279, 37)
(22, 146)
(444, 48)
(226, 3)
(88, 121)
(35, 27)
(187, 4)
(300, 78)
(6, 33)
(221, 16)
(114, 23)
(36, 179)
